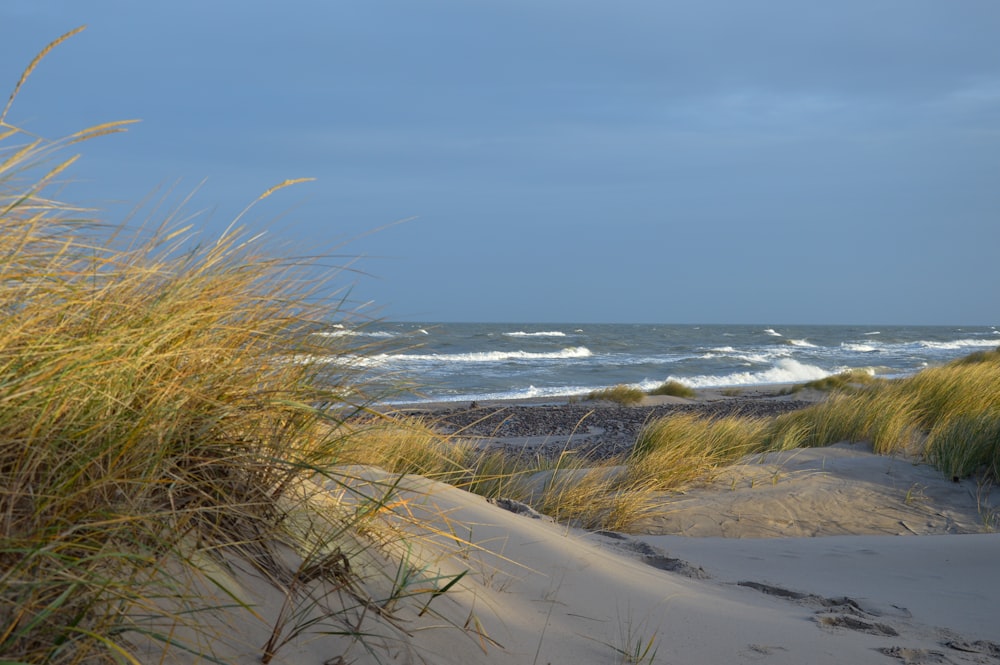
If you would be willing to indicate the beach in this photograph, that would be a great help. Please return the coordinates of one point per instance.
(827, 555)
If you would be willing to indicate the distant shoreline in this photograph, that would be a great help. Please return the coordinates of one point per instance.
(769, 391)
(596, 428)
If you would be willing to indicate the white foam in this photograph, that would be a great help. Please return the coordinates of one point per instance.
(957, 344)
(858, 347)
(521, 393)
(874, 332)
(772, 332)
(487, 356)
(543, 333)
(785, 370)
(802, 343)
(746, 355)
(762, 357)
(353, 333)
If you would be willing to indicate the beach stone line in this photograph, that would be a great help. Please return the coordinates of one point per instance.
(598, 431)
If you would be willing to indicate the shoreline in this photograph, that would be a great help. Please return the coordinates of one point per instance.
(756, 391)
(599, 429)
(814, 555)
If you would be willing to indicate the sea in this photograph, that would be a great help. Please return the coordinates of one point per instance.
(464, 362)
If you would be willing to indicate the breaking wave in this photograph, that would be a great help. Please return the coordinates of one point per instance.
(487, 356)
(785, 370)
(543, 333)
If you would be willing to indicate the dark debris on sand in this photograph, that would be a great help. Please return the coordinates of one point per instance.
(599, 431)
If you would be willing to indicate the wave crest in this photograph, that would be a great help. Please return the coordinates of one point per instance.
(542, 333)
(489, 356)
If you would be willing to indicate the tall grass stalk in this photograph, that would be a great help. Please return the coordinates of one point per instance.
(159, 400)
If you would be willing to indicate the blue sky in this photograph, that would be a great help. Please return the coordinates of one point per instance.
(560, 161)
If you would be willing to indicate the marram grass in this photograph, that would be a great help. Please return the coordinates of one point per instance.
(620, 394)
(158, 409)
(673, 389)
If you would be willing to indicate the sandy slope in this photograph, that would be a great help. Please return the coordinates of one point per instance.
(539, 592)
(576, 597)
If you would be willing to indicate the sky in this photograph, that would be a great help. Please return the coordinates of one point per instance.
(646, 161)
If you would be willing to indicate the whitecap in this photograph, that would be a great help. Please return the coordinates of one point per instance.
(518, 393)
(772, 332)
(488, 356)
(803, 343)
(354, 333)
(543, 333)
(956, 344)
(858, 348)
(785, 370)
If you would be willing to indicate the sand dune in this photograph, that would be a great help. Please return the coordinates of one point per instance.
(540, 592)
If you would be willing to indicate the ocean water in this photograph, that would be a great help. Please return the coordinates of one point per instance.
(481, 361)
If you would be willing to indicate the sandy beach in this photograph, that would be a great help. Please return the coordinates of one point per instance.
(830, 555)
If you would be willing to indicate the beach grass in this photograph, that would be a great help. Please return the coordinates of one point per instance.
(678, 449)
(844, 381)
(164, 402)
(942, 414)
(674, 389)
(620, 394)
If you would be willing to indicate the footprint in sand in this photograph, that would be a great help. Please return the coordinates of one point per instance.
(854, 623)
(915, 656)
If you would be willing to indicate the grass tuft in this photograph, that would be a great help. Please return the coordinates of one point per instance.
(679, 449)
(673, 389)
(850, 380)
(620, 394)
(162, 402)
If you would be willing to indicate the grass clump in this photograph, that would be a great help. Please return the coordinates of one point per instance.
(620, 394)
(567, 486)
(673, 389)
(949, 416)
(943, 414)
(991, 356)
(160, 408)
(678, 449)
(849, 380)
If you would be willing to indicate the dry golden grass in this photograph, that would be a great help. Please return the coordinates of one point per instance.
(620, 394)
(673, 389)
(945, 414)
(678, 449)
(162, 399)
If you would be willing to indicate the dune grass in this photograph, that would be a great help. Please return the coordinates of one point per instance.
(163, 400)
(673, 389)
(620, 394)
(629, 395)
(844, 381)
(567, 487)
(942, 414)
(678, 449)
